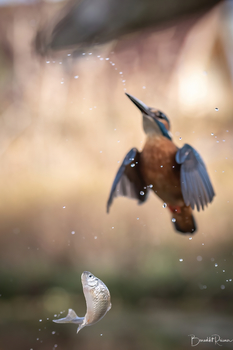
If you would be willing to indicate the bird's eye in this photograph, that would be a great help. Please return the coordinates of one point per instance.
(160, 115)
(90, 276)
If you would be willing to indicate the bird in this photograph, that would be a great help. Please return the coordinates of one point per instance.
(176, 175)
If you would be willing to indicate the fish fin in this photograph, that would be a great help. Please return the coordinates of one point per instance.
(80, 327)
(72, 314)
(70, 318)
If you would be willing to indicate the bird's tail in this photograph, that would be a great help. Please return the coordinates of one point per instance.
(183, 219)
(70, 318)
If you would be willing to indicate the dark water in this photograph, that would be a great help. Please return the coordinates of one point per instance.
(158, 325)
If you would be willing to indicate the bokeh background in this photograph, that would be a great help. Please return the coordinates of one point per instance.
(65, 127)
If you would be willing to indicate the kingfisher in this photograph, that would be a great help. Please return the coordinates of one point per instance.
(178, 176)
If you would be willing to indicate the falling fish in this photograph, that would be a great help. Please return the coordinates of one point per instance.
(98, 302)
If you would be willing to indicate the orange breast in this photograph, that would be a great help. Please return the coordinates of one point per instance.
(159, 169)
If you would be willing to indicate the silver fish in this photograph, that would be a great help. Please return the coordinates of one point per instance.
(98, 302)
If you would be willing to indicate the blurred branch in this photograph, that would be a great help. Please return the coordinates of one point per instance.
(92, 22)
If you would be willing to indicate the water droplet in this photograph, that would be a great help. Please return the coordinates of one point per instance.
(212, 134)
(142, 193)
(222, 286)
(76, 77)
(215, 265)
(73, 232)
(230, 280)
(199, 258)
(164, 205)
(101, 59)
(113, 64)
(132, 165)
(53, 332)
(181, 260)
(216, 109)
(180, 138)
(173, 220)
(95, 237)
(120, 73)
(101, 334)
(151, 186)
(203, 244)
(100, 151)
(47, 61)
(60, 62)
(64, 207)
(69, 54)
(62, 82)
(90, 53)
(161, 166)
(143, 87)
(107, 59)
(112, 227)
(223, 270)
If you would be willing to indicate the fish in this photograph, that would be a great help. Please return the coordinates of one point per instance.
(98, 302)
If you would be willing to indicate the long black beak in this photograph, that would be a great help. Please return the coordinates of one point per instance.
(143, 108)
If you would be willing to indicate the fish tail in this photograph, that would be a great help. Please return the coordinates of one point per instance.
(80, 327)
(70, 318)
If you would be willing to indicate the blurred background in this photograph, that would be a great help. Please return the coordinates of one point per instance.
(65, 127)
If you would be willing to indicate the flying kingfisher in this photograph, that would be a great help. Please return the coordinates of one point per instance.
(177, 175)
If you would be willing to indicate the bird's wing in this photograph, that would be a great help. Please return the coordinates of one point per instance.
(128, 181)
(196, 186)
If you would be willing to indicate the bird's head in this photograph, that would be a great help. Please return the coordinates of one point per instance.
(154, 121)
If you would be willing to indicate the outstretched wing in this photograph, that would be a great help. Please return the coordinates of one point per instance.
(195, 182)
(128, 181)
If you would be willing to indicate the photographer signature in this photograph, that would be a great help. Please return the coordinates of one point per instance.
(214, 338)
